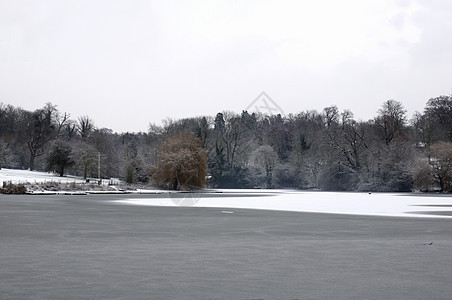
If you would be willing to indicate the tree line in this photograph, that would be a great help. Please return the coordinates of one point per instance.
(327, 150)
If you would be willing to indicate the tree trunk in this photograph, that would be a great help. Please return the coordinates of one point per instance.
(32, 161)
(441, 183)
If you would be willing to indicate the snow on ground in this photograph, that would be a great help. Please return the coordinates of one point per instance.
(35, 177)
(26, 176)
(379, 204)
(382, 204)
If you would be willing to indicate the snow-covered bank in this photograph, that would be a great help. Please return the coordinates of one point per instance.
(54, 184)
(380, 204)
(26, 176)
(43, 183)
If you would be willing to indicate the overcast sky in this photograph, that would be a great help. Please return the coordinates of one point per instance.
(126, 64)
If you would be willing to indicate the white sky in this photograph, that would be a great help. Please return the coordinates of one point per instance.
(128, 63)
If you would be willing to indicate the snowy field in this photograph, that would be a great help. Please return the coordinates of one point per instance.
(378, 204)
(25, 176)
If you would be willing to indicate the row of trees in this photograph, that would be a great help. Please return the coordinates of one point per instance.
(41, 139)
(328, 150)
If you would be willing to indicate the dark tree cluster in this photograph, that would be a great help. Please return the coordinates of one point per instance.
(327, 150)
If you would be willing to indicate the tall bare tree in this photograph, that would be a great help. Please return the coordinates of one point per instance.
(391, 120)
(331, 115)
(85, 126)
(438, 120)
(43, 126)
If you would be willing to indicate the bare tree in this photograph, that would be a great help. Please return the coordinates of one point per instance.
(265, 159)
(86, 158)
(85, 126)
(43, 126)
(331, 115)
(349, 140)
(438, 119)
(229, 131)
(440, 160)
(391, 120)
(182, 163)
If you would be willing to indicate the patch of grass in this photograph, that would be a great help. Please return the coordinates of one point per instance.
(54, 186)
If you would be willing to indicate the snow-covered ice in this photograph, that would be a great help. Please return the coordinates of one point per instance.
(379, 204)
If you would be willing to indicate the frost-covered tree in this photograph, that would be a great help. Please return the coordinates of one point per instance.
(265, 159)
(86, 157)
(6, 153)
(440, 160)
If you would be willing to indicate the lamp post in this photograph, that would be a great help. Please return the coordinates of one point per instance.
(98, 167)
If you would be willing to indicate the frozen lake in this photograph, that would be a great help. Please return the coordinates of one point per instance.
(94, 247)
(376, 204)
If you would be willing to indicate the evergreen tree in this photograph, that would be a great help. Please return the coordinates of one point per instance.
(59, 158)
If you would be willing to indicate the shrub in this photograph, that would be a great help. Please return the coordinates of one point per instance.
(182, 163)
(10, 188)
